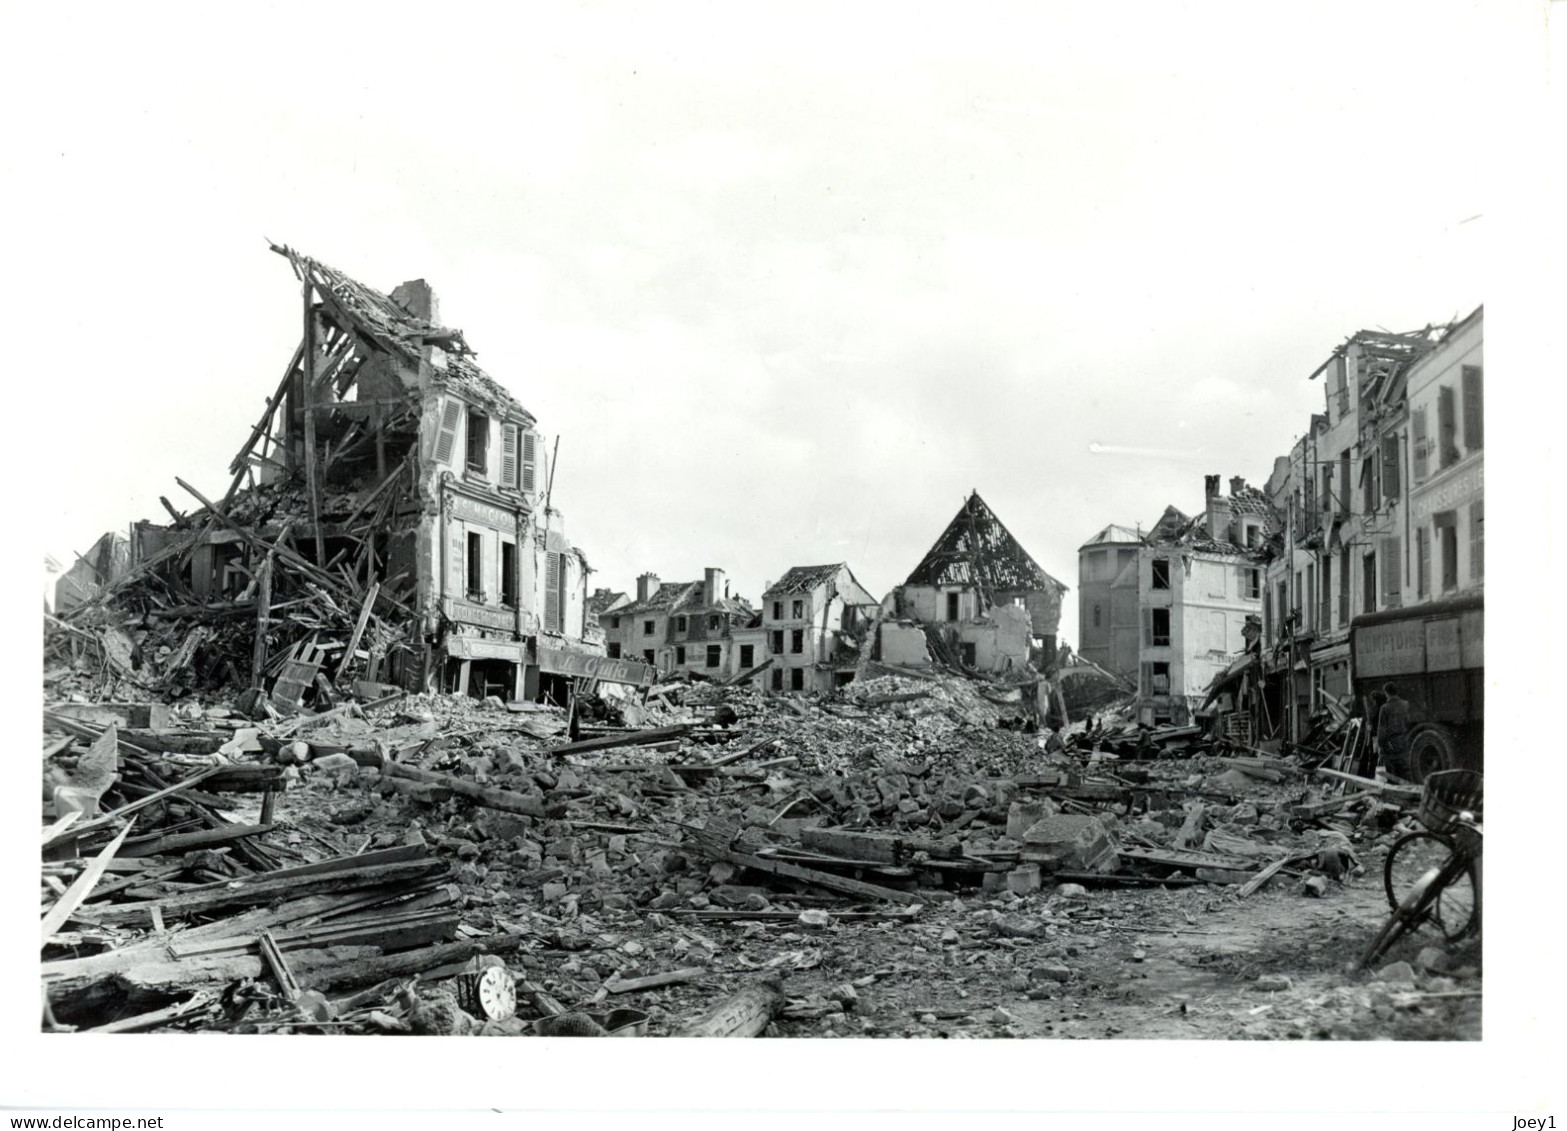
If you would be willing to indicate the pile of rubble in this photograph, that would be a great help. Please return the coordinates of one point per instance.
(729, 863)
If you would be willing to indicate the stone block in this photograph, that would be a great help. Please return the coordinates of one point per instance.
(1023, 880)
(1068, 842)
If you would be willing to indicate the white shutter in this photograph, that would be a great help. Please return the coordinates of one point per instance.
(508, 455)
(529, 461)
(446, 438)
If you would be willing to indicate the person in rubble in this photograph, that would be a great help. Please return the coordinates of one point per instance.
(1370, 751)
(1393, 731)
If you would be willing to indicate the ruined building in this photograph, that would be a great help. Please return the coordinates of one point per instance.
(682, 626)
(980, 598)
(815, 618)
(390, 513)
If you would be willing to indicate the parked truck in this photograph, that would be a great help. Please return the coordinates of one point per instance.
(1434, 654)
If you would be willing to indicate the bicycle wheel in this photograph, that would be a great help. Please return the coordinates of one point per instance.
(1456, 907)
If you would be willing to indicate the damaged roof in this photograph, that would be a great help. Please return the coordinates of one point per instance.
(683, 597)
(385, 323)
(976, 549)
(602, 600)
(802, 579)
(1113, 534)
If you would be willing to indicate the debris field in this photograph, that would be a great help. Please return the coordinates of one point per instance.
(905, 857)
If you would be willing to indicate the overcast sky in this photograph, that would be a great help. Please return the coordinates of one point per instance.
(787, 290)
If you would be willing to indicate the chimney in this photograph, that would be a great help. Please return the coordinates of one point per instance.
(647, 585)
(1237, 485)
(1210, 486)
(418, 298)
(712, 586)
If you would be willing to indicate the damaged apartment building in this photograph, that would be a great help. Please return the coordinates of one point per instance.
(816, 619)
(682, 627)
(391, 512)
(977, 600)
(1172, 608)
(1383, 524)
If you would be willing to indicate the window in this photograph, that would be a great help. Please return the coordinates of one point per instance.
(970, 654)
(1161, 677)
(715, 655)
(747, 657)
(1370, 493)
(647, 628)
(1422, 562)
(778, 642)
(612, 649)
(1297, 604)
(680, 654)
(1477, 540)
(1474, 415)
(680, 624)
(778, 610)
(647, 656)
(796, 610)
(1327, 490)
(1368, 583)
(508, 574)
(478, 442)
(1096, 616)
(777, 679)
(614, 622)
(1251, 583)
(796, 679)
(1161, 573)
(1420, 446)
(475, 566)
(1447, 426)
(1281, 612)
(1446, 525)
(1159, 627)
(952, 606)
(1253, 535)
(714, 623)
(797, 640)
(1309, 603)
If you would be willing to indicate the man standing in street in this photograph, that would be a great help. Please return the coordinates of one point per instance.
(1393, 732)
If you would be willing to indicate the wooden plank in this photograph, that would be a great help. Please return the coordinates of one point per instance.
(1188, 858)
(752, 674)
(248, 892)
(1273, 869)
(126, 810)
(745, 1014)
(636, 738)
(359, 630)
(184, 842)
(258, 651)
(651, 981)
(826, 880)
(197, 1004)
(82, 887)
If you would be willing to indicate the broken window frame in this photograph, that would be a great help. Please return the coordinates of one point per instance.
(796, 679)
(612, 649)
(647, 628)
(680, 624)
(680, 653)
(954, 606)
(776, 642)
(715, 655)
(1251, 583)
(1159, 574)
(747, 657)
(476, 445)
(1156, 638)
(797, 642)
(797, 610)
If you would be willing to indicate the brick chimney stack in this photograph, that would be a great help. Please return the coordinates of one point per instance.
(712, 586)
(647, 585)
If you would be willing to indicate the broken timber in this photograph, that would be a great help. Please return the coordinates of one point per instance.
(716, 840)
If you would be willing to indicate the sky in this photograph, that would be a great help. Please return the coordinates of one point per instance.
(787, 290)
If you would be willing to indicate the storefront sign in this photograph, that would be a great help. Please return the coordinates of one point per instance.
(1398, 648)
(562, 661)
(486, 616)
(478, 648)
(488, 514)
(1463, 488)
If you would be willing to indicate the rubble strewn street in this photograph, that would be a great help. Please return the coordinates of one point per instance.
(907, 856)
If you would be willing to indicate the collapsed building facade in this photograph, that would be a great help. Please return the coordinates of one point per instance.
(977, 599)
(816, 619)
(391, 513)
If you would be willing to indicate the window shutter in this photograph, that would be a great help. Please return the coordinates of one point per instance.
(446, 438)
(1473, 414)
(1477, 539)
(1148, 627)
(1147, 680)
(1390, 466)
(1392, 569)
(552, 612)
(529, 441)
(1417, 426)
(508, 455)
(1422, 561)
